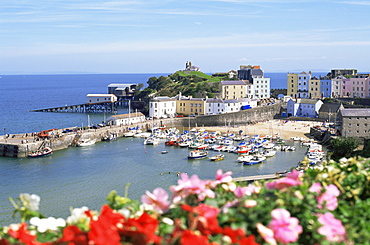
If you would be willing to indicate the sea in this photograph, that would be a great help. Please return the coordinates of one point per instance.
(84, 176)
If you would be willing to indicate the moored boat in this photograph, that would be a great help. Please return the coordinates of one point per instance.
(86, 142)
(255, 160)
(197, 154)
(218, 157)
(40, 153)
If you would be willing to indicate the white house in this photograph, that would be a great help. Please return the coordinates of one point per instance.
(246, 101)
(100, 98)
(231, 106)
(162, 107)
(303, 108)
(126, 119)
(261, 87)
(214, 106)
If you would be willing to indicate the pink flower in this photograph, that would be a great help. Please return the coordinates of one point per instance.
(292, 179)
(159, 199)
(266, 233)
(246, 190)
(192, 185)
(332, 228)
(328, 198)
(223, 177)
(286, 229)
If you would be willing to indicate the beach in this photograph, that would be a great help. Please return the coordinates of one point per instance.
(284, 128)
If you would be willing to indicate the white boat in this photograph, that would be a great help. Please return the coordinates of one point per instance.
(86, 142)
(40, 153)
(218, 157)
(268, 145)
(152, 141)
(245, 158)
(129, 133)
(197, 154)
(255, 160)
(269, 153)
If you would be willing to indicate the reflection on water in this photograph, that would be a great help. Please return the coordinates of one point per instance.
(85, 175)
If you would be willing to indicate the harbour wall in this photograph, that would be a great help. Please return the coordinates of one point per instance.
(22, 144)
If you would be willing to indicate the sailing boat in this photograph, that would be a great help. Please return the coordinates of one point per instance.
(131, 132)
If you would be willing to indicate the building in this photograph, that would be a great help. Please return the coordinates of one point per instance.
(354, 123)
(314, 88)
(303, 108)
(190, 105)
(254, 76)
(126, 119)
(100, 98)
(342, 72)
(298, 84)
(214, 106)
(233, 89)
(162, 107)
(325, 87)
(329, 111)
(232, 106)
(123, 91)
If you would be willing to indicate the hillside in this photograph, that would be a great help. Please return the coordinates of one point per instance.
(189, 83)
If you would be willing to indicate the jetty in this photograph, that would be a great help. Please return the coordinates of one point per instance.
(103, 107)
(259, 177)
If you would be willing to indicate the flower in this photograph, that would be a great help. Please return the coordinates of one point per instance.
(292, 179)
(331, 227)
(266, 233)
(22, 234)
(78, 215)
(159, 199)
(192, 185)
(223, 177)
(74, 236)
(328, 198)
(286, 229)
(238, 236)
(30, 201)
(190, 238)
(46, 224)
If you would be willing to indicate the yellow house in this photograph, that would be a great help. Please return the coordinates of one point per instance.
(190, 105)
(292, 84)
(314, 88)
(233, 89)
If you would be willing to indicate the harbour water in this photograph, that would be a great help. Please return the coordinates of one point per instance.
(75, 177)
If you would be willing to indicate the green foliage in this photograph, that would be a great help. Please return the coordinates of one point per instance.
(343, 147)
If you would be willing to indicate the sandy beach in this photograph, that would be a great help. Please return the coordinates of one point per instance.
(284, 128)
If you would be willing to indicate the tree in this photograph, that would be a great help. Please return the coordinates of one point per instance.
(343, 147)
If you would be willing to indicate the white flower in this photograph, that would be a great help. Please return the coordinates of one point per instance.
(50, 223)
(78, 215)
(30, 201)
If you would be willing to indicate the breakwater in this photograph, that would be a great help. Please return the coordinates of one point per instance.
(19, 145)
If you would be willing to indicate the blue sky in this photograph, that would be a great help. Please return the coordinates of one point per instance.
(155, 36)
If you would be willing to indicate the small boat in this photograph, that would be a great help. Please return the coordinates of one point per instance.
(245, 158)
(197, 154)
(109, 137)
(152, 141)
(218, 157)
(86, 142)
(255, 160)
(164, 152)
(40, 153)
(269, 153)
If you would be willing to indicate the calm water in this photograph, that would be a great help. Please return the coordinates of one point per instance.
(84, 176)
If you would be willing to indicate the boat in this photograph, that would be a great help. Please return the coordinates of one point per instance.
(40, 153)
(269, 153)
(197, 154)
(152, 141)
(109, 137)
(218, 157)
(255, 160)
(245, 158)
(86, 142)
(164, 152)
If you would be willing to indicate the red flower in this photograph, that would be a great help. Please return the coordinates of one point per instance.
(141, 230)
(203, 218)
(238, 236)
(23, 235)
(74, 236)
(104, 230)
(190, 238)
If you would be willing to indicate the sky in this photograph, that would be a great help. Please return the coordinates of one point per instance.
(160, 36)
